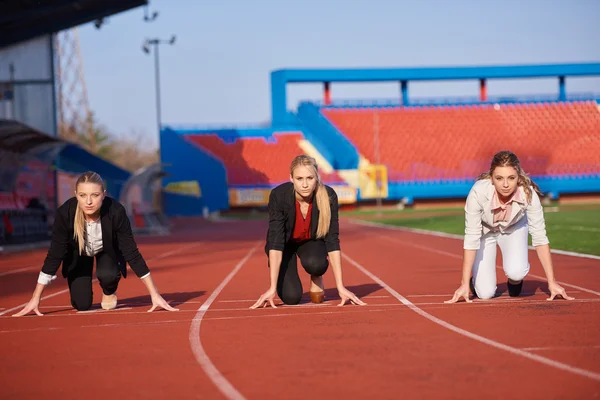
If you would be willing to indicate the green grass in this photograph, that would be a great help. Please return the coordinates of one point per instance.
(408, 211)
(443, 223)
(574, 230)
(571, 228)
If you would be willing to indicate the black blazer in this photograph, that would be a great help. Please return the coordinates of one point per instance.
(282, 218)
(117, 239)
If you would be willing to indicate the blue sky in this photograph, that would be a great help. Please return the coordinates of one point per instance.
(217, 73)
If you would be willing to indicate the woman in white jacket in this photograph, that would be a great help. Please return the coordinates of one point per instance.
(502, 208)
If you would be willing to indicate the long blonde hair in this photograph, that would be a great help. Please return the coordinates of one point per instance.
(507, 158)
(321, 194)
(79, 223)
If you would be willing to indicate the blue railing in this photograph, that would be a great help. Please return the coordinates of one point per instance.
(224, 132)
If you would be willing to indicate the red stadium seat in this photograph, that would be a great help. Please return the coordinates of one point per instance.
(421, 143)
(255, 160)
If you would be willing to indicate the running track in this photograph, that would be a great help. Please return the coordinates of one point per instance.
(405, 344)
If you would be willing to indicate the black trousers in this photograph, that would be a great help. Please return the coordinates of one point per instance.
(313, 257)
(80, 279)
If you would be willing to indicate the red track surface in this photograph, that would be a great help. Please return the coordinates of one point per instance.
(404, 344)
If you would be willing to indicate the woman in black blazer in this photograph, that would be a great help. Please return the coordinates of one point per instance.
(86, 226)
(303, 222)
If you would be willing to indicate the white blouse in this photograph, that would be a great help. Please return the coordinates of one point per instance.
(479, 216)
(93, 238)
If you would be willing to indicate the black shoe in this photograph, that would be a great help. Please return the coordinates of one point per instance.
(472, 286)
(514, 289)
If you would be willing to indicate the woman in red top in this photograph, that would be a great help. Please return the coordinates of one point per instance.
(303, 222)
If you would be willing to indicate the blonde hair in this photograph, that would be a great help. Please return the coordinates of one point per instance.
(79, 223)
(321, 194)
(507, 158)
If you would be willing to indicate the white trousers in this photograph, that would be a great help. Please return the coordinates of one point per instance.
(514, 258)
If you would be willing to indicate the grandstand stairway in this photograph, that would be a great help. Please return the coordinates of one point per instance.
(260, 161)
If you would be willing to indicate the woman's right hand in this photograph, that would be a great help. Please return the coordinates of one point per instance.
(462, 291)
(33, 305)
(266, 298)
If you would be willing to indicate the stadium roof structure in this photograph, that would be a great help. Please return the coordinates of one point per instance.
(282, 77)
(22, 20)
(434, 73)
(18, 138)
(19, 143)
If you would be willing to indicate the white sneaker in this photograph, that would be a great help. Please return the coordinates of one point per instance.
(109, 302)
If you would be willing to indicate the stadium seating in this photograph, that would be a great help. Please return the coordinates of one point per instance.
(22, 226)
(456, 142)
(22, 221)
(256, 161)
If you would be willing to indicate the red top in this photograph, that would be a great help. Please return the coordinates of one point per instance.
(302, 225)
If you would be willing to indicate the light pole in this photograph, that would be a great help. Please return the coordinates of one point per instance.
(146, 48)
(156, 42)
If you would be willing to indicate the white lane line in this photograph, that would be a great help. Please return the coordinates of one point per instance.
(447, 253)
(270, 313)
(577, 228)
(254, 300)
(114, 325)
(102, 310)
(452, 294)
(459, 237)
(196, 344)
(497, 301)
(559, 348)
(15, 271)
(547, 361)
(43, 298)
(430, 305)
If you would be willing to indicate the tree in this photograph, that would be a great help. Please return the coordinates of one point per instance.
(134, 151)
(97, 140)
(129, 152)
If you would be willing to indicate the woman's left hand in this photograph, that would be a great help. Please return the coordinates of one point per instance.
(158, 301)
(346, 295)
(557, 290)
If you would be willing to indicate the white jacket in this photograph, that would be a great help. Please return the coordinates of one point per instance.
(479, 218)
